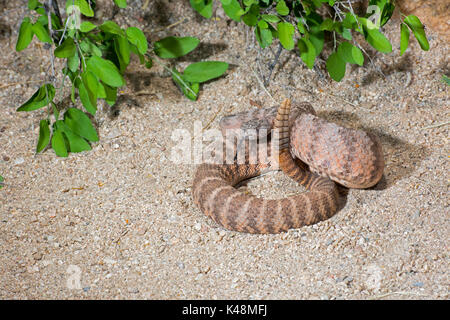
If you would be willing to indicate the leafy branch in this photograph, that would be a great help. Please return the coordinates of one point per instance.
(96, 59)
(299, 21)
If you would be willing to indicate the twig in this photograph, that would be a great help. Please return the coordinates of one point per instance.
(213, 118)
(56, 9)
(437, 125)
(352, 12)
(408, 79)
(145, 5)
(175, 75)
(49, 17)
(172, 25)
(262, 85)
(121, 235)
(398, 293)
(273, 64)
(350, 103)
(145, 93)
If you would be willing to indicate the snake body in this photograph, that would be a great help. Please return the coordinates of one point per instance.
(350, 157)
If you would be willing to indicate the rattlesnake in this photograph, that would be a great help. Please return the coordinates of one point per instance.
(350, 157)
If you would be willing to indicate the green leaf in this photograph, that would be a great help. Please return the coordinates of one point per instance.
(251, 17)
(350, 53)
(75, 142)
(58, 143)
(174, 47)
(101, 93)
(336, 67)
(32, 4)
(88, 91)
(386, 9)
(90, 81)
(418, 30)
(282, 8)
(137, 37)
(106, 71)
(1, 182)
(80, 124)
(56, 22)
(204, 71)
(301, 28)
(262, 24)
(307, 52)
(377, 40)
(445, 79)
(112, 28)
(270, 18)
(73, 62)
(122, 48)
(121, 3)
(83, 6)
(233, 9)
(55, 110)
(149, 63)
(404, 38)
(204, 7)
(190, 90)
(374, 37)
(286, 33)
(263, 36)
(347, 34)
(72, 92)
(44, 135)
(66, 49)
(39, 98)
(25, 34)
(87, 46)
(349, 21)
(317, 39)
(41, 32)
(87, 26)
(111, 94)
(327, 24)
(135, 50)
(87, 99)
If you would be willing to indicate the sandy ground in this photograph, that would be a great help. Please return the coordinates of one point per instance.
(119, 222)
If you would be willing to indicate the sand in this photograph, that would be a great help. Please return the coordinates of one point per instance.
(119, 222)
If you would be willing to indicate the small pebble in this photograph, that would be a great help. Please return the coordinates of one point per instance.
(197, 226)
(19, 161)
(142, 230)
(37, 256)
(133, 290)
(109, 261)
